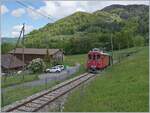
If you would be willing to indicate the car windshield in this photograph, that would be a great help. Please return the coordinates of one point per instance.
(54, 67)
(59, 66)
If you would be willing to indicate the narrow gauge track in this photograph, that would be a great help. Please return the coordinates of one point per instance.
(35, 104)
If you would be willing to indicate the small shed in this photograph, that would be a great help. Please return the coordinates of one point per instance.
(10, 62)
(56, 55)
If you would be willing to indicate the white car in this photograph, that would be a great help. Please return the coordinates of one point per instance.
(61, 67)
(53, 70)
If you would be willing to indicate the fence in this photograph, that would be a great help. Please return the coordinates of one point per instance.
(46, 80)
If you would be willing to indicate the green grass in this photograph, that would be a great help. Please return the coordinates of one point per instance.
(17, 79)
(120, 53)
(123, 87)
(73, 59)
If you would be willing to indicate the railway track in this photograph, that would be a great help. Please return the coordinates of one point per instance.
(40, 101)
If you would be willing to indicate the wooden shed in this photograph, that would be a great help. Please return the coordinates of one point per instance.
(56, 55)
(10, 62)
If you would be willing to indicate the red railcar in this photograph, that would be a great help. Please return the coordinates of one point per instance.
(98, 60)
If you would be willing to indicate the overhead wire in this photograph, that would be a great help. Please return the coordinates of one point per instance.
(32, 9)
(42, 11)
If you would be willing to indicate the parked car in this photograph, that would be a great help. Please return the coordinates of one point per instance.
(3, 74)
(19, 72)
(60, 66)
(53, 70)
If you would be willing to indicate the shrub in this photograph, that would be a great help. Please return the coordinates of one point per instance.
(36, 65)
(139, 41)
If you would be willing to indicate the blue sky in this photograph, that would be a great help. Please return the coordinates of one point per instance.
(13, 15)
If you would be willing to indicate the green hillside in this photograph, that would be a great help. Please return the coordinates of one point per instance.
(9, 40)
(123, 88)
(81, 31)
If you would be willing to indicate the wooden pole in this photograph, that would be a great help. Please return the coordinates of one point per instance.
(119, 53)
(2, 97)
(46, 83)
(23, 48)
(112, 48)
(128, 42)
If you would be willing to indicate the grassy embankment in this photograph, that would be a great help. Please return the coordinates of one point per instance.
(123, 87)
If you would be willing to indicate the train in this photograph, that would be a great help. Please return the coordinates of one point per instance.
(98, 60)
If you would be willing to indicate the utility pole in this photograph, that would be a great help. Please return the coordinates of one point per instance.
(128, 42)
(112, 48)
(119, 53)
(23, 30)
(14, 50)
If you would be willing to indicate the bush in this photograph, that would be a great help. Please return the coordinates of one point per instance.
(36, 65)
(139, 41)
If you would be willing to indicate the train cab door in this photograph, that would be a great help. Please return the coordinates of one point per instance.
(89, 60)
(102, 61)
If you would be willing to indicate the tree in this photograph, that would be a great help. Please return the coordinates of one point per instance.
(6, 47)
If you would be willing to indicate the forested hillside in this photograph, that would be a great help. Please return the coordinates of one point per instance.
(81, 31)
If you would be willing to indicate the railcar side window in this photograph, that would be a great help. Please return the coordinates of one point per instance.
(90, 57)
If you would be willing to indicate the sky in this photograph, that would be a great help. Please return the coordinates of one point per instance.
(37, 14)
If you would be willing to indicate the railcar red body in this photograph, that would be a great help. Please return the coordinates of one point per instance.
(98, 60)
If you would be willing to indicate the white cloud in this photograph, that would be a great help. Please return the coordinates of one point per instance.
(4, 9)
(33, 14)
(80, 9)
(60, 9)
(16, 30)
(15, 33)
(18, 12)
(56, 9)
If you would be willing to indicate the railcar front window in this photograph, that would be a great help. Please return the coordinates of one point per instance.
(98, 56)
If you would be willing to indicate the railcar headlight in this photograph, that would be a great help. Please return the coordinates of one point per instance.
(93, 66)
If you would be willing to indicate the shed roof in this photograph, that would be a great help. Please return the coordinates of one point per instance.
(9, 61)
(36, 51)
